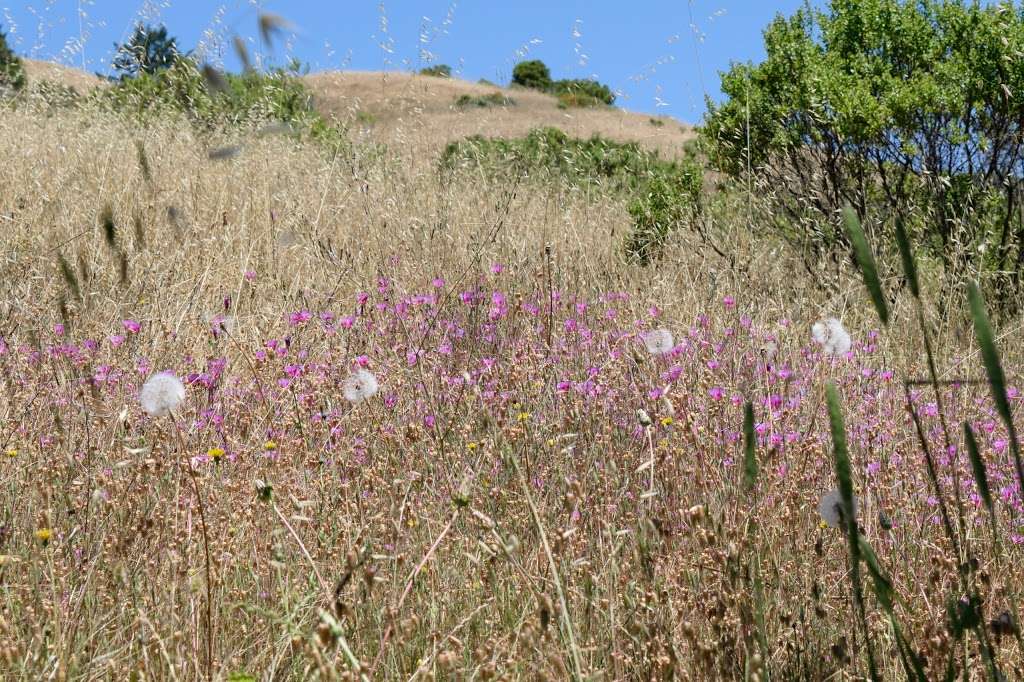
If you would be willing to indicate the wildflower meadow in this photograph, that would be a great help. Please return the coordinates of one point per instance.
(320, 409)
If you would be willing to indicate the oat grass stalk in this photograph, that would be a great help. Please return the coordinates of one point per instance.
(574, 651)
(206, 548)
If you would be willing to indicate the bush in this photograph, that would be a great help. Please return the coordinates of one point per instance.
(532, 74)
(249, 99)
(572, 92)
(12, 72)
(904, 110)
(493, 99)
(662, 195)
(589, 92)
(668, 202)
(568, 100)
(148, 51)
(181, 89)
(438, 71)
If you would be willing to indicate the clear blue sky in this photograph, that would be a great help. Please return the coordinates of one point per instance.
(661, 56)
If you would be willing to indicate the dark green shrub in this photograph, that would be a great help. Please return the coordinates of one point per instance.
(438, 71)
(148, 51)
(667, 203)
(532, 74)
(12, 72)
(587, 92)
(905, 110)
(493, 99)
(567, 100)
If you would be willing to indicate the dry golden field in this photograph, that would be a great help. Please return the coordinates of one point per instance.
(530, 486)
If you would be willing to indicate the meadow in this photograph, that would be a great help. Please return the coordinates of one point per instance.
(275, 410)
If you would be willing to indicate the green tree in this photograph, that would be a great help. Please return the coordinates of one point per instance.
(904, 109)
(12, 72)
(148, 51)
(532, 74)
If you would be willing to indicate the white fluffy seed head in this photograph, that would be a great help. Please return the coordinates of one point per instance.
(831, 509)
(831, 336)
(161, 394)
(359, 386)
(658, 341)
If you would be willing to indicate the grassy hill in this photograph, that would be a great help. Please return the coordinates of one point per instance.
(392, 106)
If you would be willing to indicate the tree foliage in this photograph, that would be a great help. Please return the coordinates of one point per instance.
(12, 72)
(532, 74)
(148, 51)
(535, 74)
(909, 109)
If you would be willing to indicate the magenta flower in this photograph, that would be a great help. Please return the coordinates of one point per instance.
(131, 325)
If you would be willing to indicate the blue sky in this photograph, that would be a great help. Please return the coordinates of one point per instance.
(660, 55)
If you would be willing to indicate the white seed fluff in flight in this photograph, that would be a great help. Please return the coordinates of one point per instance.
(161, 394)
(831, 336)
(658, 341)
(831, 508)
(359, 386)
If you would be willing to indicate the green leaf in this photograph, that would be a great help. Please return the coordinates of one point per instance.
(989, 354)
(978, 466)
(907, 256)
(866, 261)
(749, 442)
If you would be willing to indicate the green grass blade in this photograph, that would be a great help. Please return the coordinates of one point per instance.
(907, 257)
(882, 585)
(68, 273)
(978, 466)
(109, 229)
(844, 476)
(866, 261)
(749, 443)
(989, 354)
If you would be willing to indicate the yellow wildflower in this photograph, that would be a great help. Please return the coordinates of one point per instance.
(523, 416)
(471, 446)
(12, 452)
(666, 421)
(270, 446)
(215, 453)
(44, 535)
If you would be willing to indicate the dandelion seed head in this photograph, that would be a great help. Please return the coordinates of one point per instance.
(359, 386)
(658, 341)
(831, 508)
(831, 336)
(161, 394)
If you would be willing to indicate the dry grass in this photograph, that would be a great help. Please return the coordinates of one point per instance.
(439, 535)
(69, 76)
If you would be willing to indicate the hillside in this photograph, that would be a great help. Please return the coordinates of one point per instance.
(391, 106)
(395, 107)
(59, 73)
